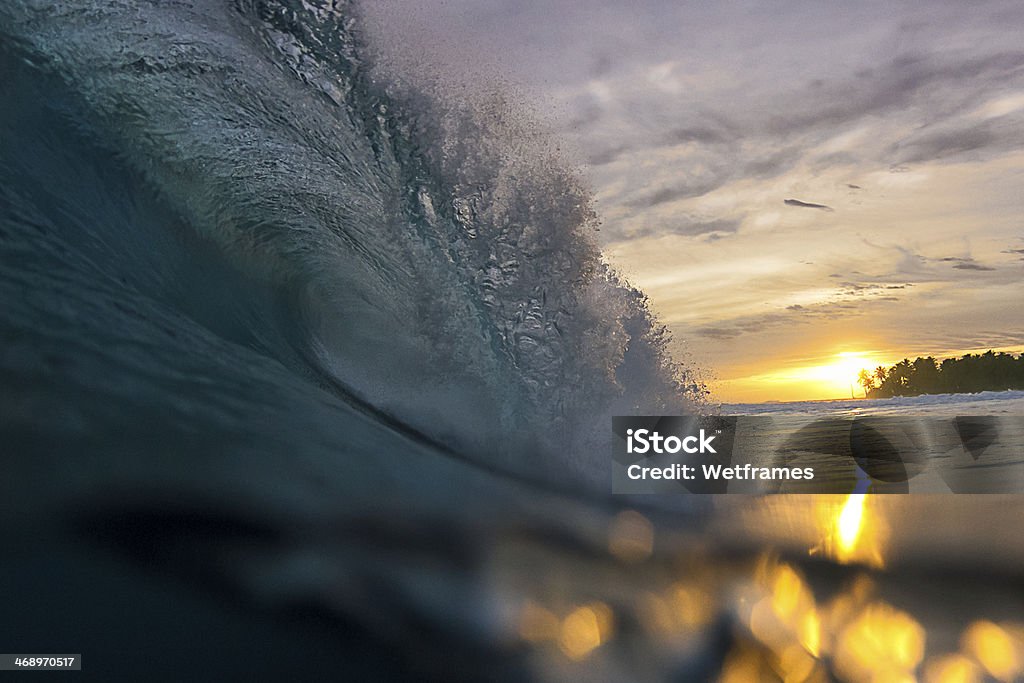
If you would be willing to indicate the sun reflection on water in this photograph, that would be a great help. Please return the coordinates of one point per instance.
(997, 649)
(954, 668)
(852, 533)
(850, 525)
(848, 626)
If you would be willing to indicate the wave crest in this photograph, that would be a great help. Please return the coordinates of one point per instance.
(438, 257)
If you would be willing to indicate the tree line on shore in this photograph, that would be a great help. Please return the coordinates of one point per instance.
(968, 374)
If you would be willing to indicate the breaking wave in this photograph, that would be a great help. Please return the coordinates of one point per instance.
(242, 168)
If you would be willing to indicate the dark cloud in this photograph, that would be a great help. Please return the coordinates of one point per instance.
(739, 326)
(861, 290)
(718, 332)
(793, 314)
(892, 86)
(852, 299)
(964, 263)
(806, 205)
(773, 164)
(665, 195)
(821, 162)
(713, 174)
(699, 134)
(686, 226)
(717, 227)
(602, 65)
(600, 157)
(939, 144)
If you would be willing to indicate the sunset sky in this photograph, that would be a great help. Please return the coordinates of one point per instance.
(896, 132)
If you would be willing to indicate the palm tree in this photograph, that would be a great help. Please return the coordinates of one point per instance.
(865, 379)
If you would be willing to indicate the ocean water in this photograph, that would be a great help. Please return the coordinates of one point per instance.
(239, 173)
(1010, 403)
(305, 370)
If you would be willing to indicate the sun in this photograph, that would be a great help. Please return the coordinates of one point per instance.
(847, 366)
(838, 377)
(825, 376)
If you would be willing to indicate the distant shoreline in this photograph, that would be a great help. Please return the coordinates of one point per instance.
(888, 400)
(877, 398)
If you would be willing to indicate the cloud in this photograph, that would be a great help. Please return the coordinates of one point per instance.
(718, 332)
(861, 288)
(911, 109)
(665, 195)
(601, 157)
(872, 110)
(686, 225)
(853, 299)
(806, 205)
(888, 87)
(746, 325)
(964, 263)
(701, 134)
(952, 140)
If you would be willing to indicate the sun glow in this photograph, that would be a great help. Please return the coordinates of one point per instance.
(825, 377)
(840, 375)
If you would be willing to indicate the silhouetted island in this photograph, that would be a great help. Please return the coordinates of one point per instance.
(968, 374)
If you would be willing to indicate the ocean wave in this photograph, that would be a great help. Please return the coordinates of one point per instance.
(244, 168)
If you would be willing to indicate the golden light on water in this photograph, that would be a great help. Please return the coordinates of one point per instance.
(538, 624)
(677, 612)
(952, 669)
(786, 631)
(585, 629)
(783, 616)
(880, 640)
(849, 526)
(631, 537)
(743, 665)
(996, 649)
(867, 640)
(809, 633)
(851, 532)
(861, 637)
(579, 633)
(692, 606)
